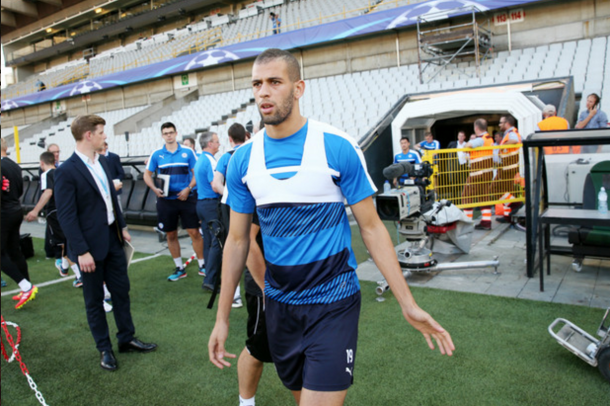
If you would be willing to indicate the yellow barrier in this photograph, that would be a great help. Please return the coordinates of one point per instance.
(476, 182)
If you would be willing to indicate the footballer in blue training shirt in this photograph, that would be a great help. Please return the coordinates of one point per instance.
(297, 173)
(178, 163)
(407, 155)
(429, 143)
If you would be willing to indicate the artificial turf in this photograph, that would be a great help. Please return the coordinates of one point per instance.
(504, 354)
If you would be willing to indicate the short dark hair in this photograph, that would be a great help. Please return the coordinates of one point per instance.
(189, 139)
(480, 124)
(595, 96)
(271, 54)
(405, 137)
(48, 158)
(167, 125)
(428, 133)
(82, 124)
(510, 120)
(237, 132)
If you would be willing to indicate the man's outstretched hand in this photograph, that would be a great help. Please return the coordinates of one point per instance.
(426, 325)
(216, 346)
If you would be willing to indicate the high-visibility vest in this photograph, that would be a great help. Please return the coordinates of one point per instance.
(554, 123)
(477, 154)
(509, 150)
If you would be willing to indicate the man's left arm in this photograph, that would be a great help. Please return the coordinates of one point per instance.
(184, 193)
(379, 244)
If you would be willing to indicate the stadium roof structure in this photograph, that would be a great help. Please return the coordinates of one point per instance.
(442, 106)
(367, 24)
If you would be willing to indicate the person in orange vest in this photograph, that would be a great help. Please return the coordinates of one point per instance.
(476, 188)
(503, 183)
(552, 122)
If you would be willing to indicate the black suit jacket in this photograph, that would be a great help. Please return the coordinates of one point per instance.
(116, 169)
(81, 209)
(114, 164)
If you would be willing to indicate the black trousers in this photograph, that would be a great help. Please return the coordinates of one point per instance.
(113, 271)
(13, 262)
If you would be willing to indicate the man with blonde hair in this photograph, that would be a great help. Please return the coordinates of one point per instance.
(89, 215)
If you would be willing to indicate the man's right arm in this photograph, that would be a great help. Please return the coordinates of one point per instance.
(44, 199)
(233, 262)
(65, 200)
(256, 261)
(582, 123)
(151, 183)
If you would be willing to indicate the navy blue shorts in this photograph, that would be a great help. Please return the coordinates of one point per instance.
(314, 346)
(170, 210)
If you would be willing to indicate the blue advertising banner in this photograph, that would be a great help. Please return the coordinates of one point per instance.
(395, 18)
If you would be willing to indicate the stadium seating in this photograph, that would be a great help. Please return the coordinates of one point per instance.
(363, 96)
(197, 36)
(30, 197)
(135, 204)
(127, 189)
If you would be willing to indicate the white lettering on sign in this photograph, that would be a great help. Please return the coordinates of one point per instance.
(515, 16)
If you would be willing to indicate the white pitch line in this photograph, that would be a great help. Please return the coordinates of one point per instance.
(145, 258)
(53, 282)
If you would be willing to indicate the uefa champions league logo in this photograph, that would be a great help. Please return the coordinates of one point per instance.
(9, 104)
(211, 57)
(85, 87)
(433, 7)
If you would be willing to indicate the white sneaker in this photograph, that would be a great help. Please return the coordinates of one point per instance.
(237, 303)
(107, 307)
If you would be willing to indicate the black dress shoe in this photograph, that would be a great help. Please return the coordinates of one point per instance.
(481, 227)
(136, 345)
(108, 361)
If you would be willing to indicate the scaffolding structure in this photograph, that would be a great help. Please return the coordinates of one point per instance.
(441, 46)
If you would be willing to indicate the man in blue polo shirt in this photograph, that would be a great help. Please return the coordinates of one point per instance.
(207, 203)
(178, 163)
(407, 155)
(429, 143)
(237, 136)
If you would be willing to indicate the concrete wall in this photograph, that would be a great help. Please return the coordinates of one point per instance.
(571, 20)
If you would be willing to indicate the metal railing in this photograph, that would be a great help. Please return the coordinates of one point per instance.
(480, 181)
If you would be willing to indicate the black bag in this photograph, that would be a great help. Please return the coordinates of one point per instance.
(27, 246)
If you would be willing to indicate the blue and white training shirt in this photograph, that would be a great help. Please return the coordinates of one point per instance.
(178, 165)
(204, 173)
(430, 145)
(411, 157)
(298, 185)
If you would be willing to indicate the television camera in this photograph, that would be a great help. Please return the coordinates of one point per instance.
(416, 212)
(407, 205)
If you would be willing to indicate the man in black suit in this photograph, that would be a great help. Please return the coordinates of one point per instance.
(116, 173)
(89, 215)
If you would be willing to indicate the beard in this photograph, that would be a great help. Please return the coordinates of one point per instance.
(283, 110)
